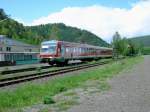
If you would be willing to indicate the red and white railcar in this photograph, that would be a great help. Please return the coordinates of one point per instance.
(56, 52)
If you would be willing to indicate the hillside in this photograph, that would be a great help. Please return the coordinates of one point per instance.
(66, 33)
(144, 40)
(36, 34)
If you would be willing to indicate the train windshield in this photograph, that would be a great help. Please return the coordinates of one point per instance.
(51, 48)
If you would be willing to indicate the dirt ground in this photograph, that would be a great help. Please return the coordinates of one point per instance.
(130, 92)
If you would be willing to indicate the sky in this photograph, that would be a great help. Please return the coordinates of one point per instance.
(101, 17)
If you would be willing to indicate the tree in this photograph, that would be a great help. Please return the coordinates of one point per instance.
(124, 46)
(116, 44)
(3, 14)
(134, 48)
(36, 34)
(55, 33)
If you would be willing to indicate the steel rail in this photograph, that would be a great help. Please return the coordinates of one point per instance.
(6, 72)
(29, 77)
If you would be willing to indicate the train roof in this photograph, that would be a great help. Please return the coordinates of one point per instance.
(8, 41)
(49, 42)
(73, 43)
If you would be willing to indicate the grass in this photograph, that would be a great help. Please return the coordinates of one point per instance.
(48, 100)
(70, 93)
(37, 70)
(33, 93)
(64, 105)
(46, 110)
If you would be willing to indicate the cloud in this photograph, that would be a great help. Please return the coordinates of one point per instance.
(104, 21)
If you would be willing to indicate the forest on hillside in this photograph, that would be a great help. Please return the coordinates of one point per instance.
(144, 40)
(36, 34)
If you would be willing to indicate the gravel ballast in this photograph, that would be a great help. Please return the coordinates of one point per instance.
(130, 92)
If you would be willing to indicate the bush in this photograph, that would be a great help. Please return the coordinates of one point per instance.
(48, 100)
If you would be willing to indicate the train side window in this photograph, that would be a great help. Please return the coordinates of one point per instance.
(83, 50)
(74, 50)
(62, 50)
(80, 50)
(67, 50)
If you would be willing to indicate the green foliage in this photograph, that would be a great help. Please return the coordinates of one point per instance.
(134, 48)
(62, 32)
(2, 14)
(62, 88)
(36, 34)
(55, 33)
(119, 45)
(143, 43)
(124, 46)
(146, 51)
(142, 40)
(48, 100)
(33, 93)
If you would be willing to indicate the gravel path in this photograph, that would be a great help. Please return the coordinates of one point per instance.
(130, 92)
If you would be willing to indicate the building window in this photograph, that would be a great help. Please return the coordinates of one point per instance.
(27, 50)
(1, 49)
(8, 48)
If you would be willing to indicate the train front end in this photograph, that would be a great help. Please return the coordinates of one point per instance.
(48, 52)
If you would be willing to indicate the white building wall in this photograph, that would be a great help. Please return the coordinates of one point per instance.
(15, 48)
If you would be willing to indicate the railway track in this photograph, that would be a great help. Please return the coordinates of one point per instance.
(6, 72)
(33, 76)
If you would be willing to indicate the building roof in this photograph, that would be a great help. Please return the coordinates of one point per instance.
(8, 41)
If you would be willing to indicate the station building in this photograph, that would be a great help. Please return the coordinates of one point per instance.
(12, 50)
